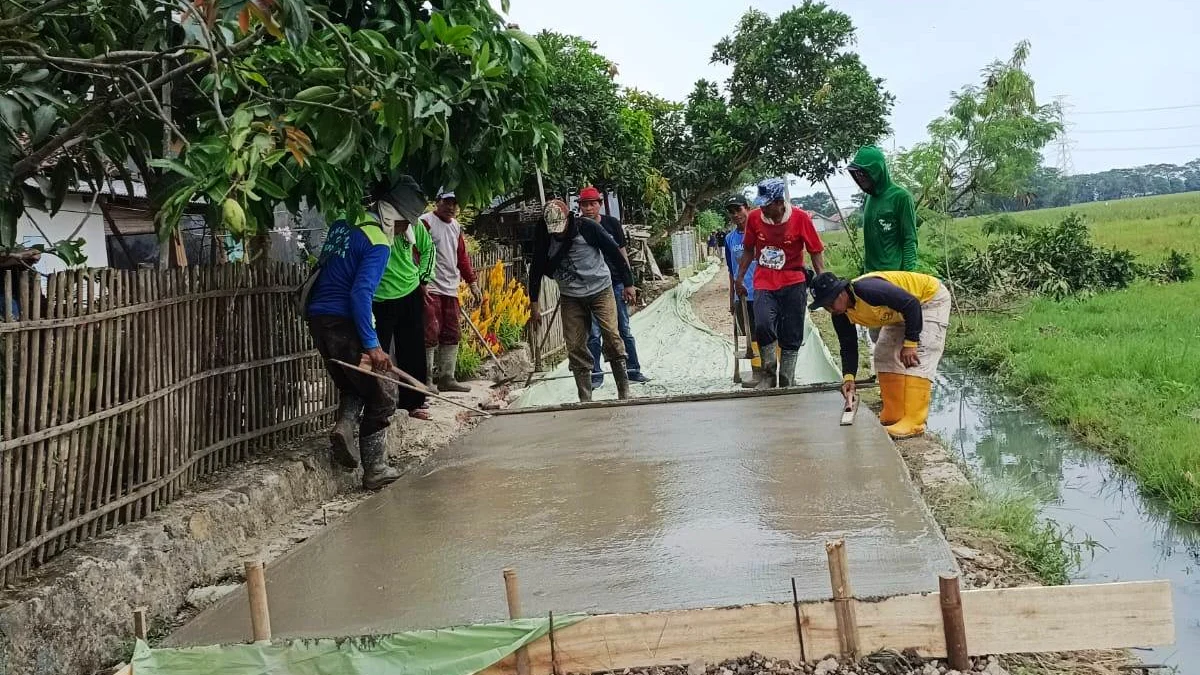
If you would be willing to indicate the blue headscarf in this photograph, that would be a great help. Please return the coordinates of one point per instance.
(771, 190)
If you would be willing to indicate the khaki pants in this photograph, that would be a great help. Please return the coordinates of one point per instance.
(577, 314)
(935, 320)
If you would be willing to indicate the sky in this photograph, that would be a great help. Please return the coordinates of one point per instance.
(1102, 55)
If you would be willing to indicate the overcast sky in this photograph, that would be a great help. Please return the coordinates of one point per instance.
(1103, 55)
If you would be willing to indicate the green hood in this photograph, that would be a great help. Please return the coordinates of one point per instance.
(870, 159)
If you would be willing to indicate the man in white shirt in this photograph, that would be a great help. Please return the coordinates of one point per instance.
(452, 266)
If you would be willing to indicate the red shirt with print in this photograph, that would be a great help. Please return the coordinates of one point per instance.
(779, 249)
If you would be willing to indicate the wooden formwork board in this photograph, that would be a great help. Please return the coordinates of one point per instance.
(1002, 621)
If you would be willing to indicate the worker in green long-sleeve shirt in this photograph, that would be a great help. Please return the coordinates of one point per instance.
(400, 306)
(889, 215)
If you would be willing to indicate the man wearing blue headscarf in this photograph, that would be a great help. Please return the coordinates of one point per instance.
(776, 238)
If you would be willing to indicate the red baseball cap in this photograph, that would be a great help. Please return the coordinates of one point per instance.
(590, 194)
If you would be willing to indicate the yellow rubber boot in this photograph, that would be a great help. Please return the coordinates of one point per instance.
(891, 388)
(916, 408)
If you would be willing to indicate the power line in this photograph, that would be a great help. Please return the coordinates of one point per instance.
(1138, 110)
(1161, 147)
(1122, 131)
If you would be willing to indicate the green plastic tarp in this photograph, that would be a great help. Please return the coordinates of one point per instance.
(450, 651)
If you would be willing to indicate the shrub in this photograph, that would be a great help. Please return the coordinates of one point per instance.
(1004, 224)
(1059, 261)
(469, 361)
(1176, 268)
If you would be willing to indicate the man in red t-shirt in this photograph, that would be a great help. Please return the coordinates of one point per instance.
(777, 235)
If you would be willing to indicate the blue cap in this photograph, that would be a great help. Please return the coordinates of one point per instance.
(771, 190)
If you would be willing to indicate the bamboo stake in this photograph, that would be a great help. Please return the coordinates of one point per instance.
(405, 385)
(260, 614)
(141, 628)
(513, 596)
(843, 598)
(953, 623)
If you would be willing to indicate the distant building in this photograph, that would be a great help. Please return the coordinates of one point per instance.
(825, 223)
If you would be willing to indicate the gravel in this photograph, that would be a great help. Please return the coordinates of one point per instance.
(881, 663)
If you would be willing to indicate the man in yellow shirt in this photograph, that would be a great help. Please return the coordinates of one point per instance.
(912, 312)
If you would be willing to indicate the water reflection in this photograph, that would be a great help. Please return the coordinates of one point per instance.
(1012, 448)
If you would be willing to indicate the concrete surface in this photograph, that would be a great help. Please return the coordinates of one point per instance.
(622, 509)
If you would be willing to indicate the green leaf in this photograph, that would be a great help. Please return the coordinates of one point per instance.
(397, 153)
(60, 181)
(270, 188)
(10, 112)
(35, 76)
(10, 212)
(346, 148)
(45, 120)
(175, 166)
(256, 78)
(453, 36)
(528, 41)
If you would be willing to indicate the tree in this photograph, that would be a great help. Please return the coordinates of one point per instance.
(798, 101)
(284, 102)
(817, 202)
(988, 143)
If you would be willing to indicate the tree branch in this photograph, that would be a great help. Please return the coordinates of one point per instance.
(29, 165)
(34, 13)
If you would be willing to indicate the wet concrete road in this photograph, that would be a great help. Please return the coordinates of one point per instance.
(611, 510)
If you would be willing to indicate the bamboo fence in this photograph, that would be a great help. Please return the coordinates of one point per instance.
(122, 388)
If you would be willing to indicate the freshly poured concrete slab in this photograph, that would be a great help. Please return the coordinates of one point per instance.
(624, 509)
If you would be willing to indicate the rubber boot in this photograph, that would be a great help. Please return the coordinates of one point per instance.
(447, 363)
(752, 381)
(430, 362)
(787, 368)
(583, 385)
(916, 408)
(891, 389)
(621, 377)
(341, 439)
(376, 471)
(766, 378)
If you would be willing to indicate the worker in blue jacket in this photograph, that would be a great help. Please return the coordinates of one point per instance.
(339, 311)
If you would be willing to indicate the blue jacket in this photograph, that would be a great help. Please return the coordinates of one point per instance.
(733, 253)
(352, 262)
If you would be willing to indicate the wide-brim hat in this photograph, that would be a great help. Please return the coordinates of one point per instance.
(825, 289)
(404, 194)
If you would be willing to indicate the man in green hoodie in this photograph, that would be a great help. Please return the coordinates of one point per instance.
(889, 216)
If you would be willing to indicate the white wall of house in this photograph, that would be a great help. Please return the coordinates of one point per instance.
(76, 215)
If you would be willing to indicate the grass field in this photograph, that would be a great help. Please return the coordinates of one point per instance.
(1121, 369)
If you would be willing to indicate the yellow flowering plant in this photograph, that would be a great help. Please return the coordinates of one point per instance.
(501, 316)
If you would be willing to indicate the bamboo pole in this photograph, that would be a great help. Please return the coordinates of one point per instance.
(260, 614)
(953, 623)
(843, 598)
(410, 387)
(513, 596)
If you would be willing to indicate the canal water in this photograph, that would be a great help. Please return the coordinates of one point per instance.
(1012, 448)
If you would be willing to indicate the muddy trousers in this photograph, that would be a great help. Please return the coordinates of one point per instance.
(631, 358)
(400, 324)
(779, 316)
(337, 338)
(577, 317)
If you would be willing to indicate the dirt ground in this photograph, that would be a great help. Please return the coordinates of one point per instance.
(711, 304)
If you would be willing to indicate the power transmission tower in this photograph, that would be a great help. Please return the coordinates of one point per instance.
(1064, 165)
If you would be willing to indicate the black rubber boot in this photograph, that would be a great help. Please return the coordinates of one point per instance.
(787, 368)
(583, 385)
(376, 471)
(621, 376)
(766, 379)
(341, 439)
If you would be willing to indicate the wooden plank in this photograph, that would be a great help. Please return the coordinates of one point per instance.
(843, 599)
(1003, 621)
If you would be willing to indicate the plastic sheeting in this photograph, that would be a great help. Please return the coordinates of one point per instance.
(451, 651)
(681, 354)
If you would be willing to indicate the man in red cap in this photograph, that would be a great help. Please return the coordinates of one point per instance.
(589, 205)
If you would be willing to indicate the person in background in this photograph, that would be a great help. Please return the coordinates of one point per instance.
(738, 208)
(579, 254)
(776, 237)
(589, 207)
(451, 267)
(400, 304)
(889, 243)
(912, 311)
(712, 243)
(338, 304)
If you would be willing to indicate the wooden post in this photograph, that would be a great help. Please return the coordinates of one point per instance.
(513, 595)
(141, 628)
(843, 598)
(953, 623)
(256, 588)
